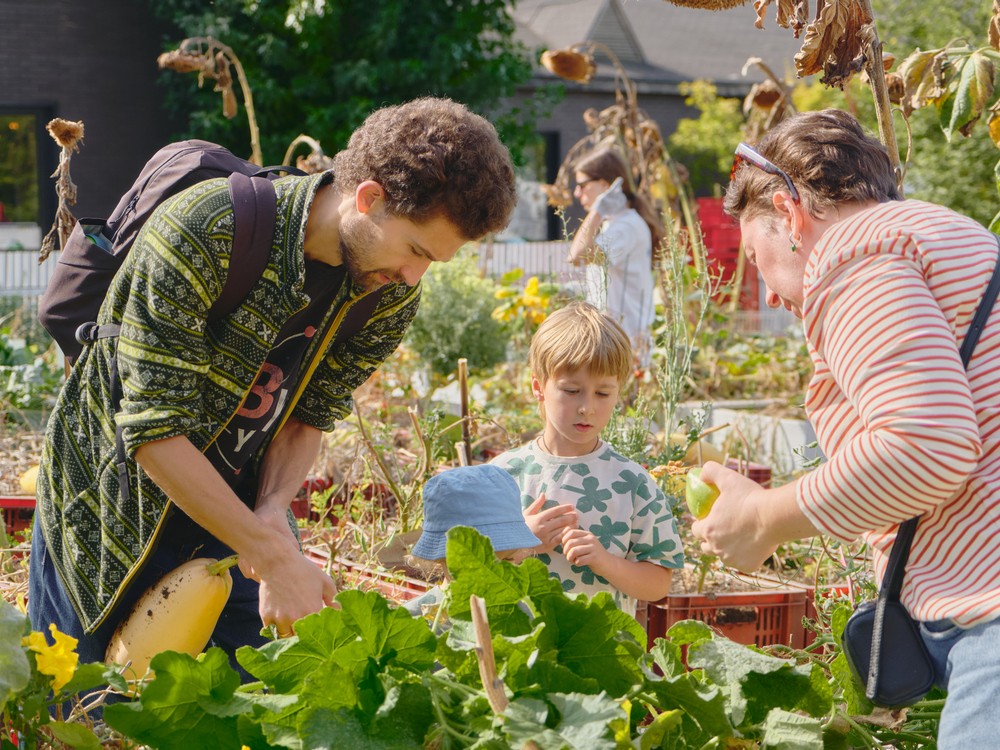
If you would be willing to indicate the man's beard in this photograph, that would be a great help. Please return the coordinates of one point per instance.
(357, 251)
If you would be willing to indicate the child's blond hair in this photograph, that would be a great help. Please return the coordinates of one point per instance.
(579, 335)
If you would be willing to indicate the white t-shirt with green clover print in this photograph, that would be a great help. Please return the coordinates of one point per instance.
(616, 500)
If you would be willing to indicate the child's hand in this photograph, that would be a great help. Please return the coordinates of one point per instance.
(549, 524)
(583, 548)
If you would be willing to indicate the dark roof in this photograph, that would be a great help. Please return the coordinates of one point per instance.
(659, 42)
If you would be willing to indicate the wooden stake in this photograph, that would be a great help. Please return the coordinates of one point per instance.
(492, 684)
(463, 384)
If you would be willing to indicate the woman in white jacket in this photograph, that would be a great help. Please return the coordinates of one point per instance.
(616, 242)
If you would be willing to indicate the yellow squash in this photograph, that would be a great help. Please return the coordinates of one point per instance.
(179, 613)
(28, 480)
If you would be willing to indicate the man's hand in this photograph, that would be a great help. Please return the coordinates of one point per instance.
(549, 524)
(291, 587)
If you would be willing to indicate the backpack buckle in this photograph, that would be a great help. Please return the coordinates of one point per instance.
(89, 332)
(86, 333)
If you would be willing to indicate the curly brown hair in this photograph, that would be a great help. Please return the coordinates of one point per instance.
(433, 157)
(829, 158)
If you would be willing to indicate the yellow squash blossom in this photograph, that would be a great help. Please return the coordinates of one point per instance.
(58, 660)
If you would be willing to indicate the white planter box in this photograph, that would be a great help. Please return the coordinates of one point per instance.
(784, 443)
(19, 235)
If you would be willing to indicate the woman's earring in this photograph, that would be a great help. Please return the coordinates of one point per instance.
(794, 244)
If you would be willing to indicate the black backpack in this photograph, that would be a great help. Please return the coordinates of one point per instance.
(96, 248)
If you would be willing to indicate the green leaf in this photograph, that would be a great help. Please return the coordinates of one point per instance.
(752, 682)
(15, 670)
(90, 676)
(363, 628)
(686, 632)
(594, 639)
(668, 657)
(657, 732)
(191, 704)
(390, 636)
(74, 735)
(784, 730)
(580, 722)
(475, 569)
(704, 705)
(511, 276)
(972, 94)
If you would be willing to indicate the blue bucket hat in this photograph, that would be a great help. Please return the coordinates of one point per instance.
(484, 497)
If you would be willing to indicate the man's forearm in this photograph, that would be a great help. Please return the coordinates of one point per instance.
(287, 463)
(194, 486)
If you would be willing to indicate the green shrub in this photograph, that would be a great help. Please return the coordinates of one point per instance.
(454, 319)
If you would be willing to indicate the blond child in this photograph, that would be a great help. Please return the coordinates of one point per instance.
(604, 523)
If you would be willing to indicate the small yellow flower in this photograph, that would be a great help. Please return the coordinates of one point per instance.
(59, 660)
(531, 288)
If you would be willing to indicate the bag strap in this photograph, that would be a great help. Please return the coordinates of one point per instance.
(892, 581)
(255, 207)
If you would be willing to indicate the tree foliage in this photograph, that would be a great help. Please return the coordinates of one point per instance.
(705, 144)
(959, 173)
(318, 67)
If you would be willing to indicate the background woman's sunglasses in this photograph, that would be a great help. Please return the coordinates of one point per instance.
(745, 153)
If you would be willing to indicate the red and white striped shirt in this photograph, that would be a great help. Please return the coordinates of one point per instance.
(889, 293)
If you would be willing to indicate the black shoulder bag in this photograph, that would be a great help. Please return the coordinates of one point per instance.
(882, 643)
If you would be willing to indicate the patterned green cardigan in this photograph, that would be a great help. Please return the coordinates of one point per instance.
(182, 376)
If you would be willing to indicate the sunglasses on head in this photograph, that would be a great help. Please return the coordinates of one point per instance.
(745, 153)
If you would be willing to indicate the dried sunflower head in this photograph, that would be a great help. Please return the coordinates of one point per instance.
(557, 195)
(183, 61)
(66, 133)
(314, 163)
(570, 64)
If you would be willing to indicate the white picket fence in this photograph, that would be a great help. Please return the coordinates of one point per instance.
(21, 275)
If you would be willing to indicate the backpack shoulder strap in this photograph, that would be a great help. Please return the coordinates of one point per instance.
(254, 211)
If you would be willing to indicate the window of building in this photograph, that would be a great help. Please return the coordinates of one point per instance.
(26, 161)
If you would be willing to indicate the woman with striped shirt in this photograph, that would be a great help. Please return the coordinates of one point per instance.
(886, 289)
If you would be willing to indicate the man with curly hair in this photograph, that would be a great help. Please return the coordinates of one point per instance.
(221, 420)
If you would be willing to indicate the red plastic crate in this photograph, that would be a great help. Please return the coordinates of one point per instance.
(18, 512)
(761, 618)
(759, 473)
